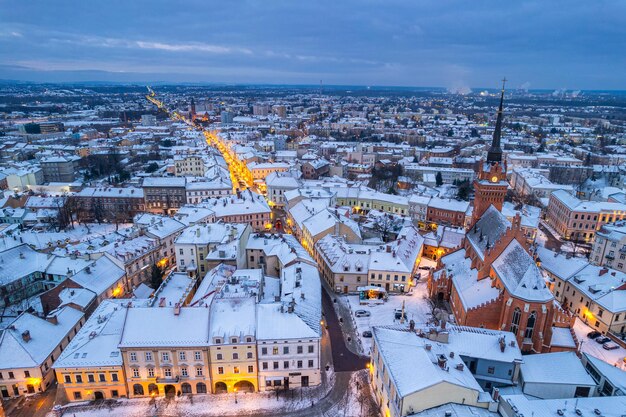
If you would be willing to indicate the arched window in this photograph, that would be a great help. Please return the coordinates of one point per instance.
(185, 388)
(517, 313)
(201, 388)
(138, 389)
(153, 389)
(530, 325)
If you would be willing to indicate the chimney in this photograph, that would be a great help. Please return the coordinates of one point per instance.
(459, 366)
(26, 335)
(52, 319)
(603, 271)
(388, 249)
(441, 361)
(428, 346)
(502, 344)
(495, 394)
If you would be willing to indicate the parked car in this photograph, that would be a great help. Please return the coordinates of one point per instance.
(367, 333)
(398, 314)
(425, 268)
(593, 334)
(610, 346)
(602, 340)
(362, 313)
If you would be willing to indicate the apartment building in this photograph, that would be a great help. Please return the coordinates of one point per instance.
(164, 195)
(579, 220)
(609, 246)
(30, 345)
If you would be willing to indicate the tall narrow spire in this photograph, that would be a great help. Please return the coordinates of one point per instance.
(495, 151)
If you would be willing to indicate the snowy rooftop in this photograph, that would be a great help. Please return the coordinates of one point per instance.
(96, 342)
(607, 406)
(145, 327)
(16, 352)
(403, 354)
(520, 275)
(558, 265)
(616, 376)
(233, 317)
(164, 182)
(487, 230)
(547, 368)
(99, 276)
(21, 261)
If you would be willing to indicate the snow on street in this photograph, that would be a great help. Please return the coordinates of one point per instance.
(416, 307)
(613, 357)
(206, 405)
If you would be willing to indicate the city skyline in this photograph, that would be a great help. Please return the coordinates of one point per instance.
(452, 45)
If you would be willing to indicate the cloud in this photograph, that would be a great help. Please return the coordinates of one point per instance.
(452, 44)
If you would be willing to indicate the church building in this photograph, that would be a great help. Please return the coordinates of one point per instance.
(493, 281)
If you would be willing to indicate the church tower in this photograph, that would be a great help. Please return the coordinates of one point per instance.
(490, 184)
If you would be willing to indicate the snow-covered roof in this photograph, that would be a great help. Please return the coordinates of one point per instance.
(403, 353)
(616, 376)
(99, 276)
(233, 316)
(548, 368)
(96, 344)
(487, 230)
(607, 406)
(520, 275)
(188, 326)
(45, 336)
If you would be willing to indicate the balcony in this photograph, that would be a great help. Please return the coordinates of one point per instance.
(609, 256)
(168, 380)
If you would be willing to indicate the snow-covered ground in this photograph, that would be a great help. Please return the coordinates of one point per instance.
(416, 306)
(205, 405)
(613, 357)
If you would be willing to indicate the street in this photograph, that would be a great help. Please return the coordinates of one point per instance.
(36, 406)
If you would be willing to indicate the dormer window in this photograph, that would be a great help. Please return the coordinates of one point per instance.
(218, 340)
(233, 340)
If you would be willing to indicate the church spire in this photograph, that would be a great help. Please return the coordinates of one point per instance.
(495, 151)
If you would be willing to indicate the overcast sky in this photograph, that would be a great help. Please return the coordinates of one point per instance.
(455, 44)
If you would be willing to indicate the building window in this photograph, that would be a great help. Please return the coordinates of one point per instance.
(311, 363)
(165, 356)
(199, 371)
(198, 356)
(68, 379)
(311, 348)
(236, 370)
(264, 351)
(299, 364)
(220, 370)
(148, 356)
(135, 373)
(101, 378)
(530, 325)
(275, 350)
(182, 356)
(151, 372)
(265, 365)
(218, 356)
(133, 357)
(517, 313)
(79, 379)
(167, 372)
(249, 355)
(250, 369)
(285, 350)
(77, 395)
(275, 365)
(286, 365)
(491, 370)
(235, 356)
(300, 349)
(183, 371)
